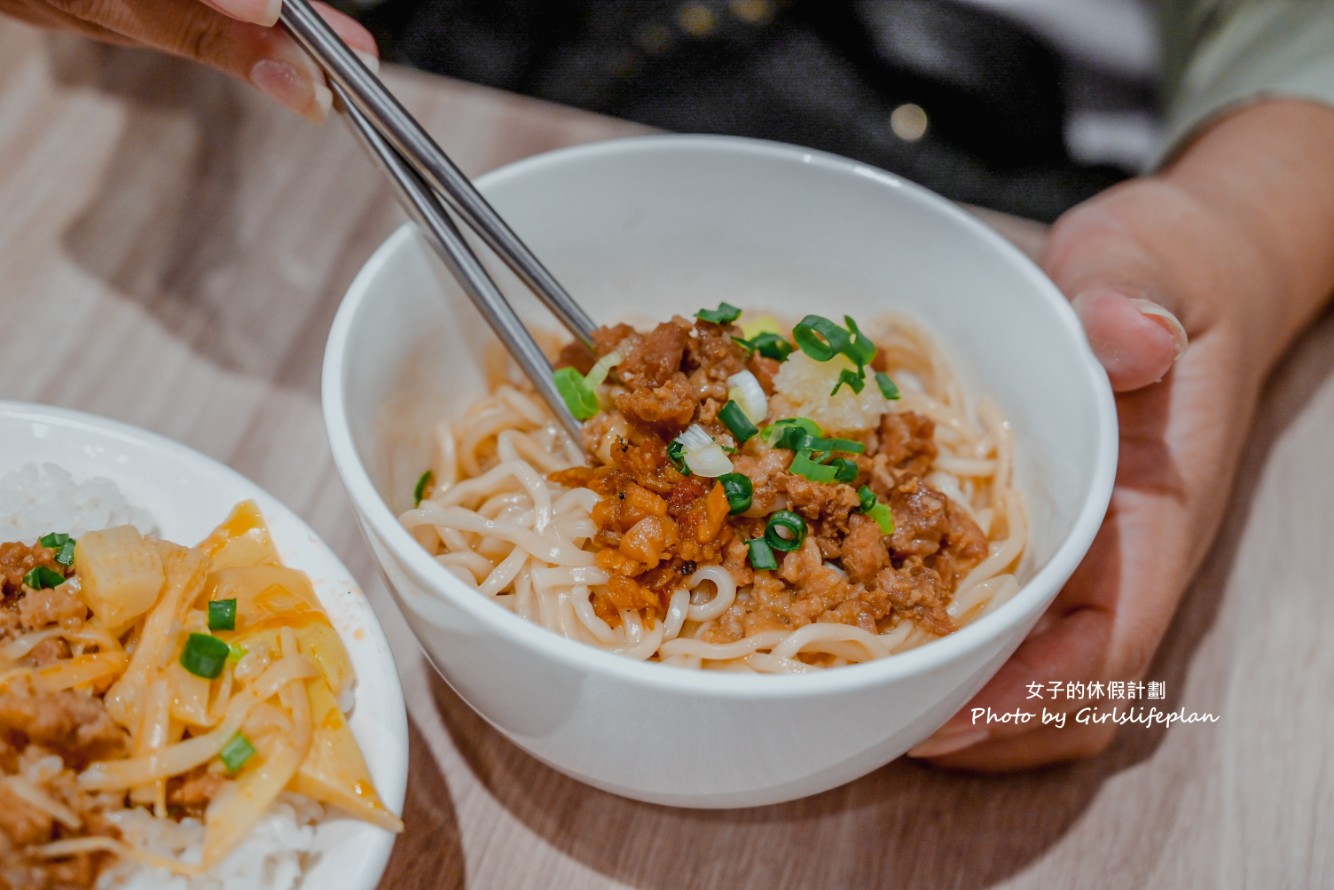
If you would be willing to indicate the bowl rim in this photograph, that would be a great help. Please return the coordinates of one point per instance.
(379, 843)
(585, 658)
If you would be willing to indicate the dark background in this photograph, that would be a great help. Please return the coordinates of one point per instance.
(821, 73)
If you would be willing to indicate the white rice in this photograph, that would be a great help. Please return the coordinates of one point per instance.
(274, 855)
(36, 500)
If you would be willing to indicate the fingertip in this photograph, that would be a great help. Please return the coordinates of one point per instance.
(1137, 341)
(254, 12)
(949, 740)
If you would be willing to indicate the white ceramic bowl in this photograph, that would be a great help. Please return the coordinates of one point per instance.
(659, 225)
(187, 495)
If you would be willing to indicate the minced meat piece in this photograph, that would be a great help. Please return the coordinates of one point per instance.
(51, 606)
(907, 439)
(73, 724)
(17, 559)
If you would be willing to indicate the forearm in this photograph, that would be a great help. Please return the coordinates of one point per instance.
(1265, 172)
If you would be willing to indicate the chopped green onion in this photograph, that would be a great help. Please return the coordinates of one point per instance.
(778, 431)
(702, 454)
(883, 518)
(845, 469)
(887, 387)
(236, 752)
(744, 388)
(872, 507)
(235, 652)
(726, 313)
(42, 577)
(761, 555)
(855, 380)
(820, 338)
(222, 615)
(860, 349)
(851, 446)
(785, 531)
(66, 555)
(578, 395)
(601, 368)
(63, 544)
(768, 344)
(423, 485)
(204, 655)
(737, 422)
(800, 440)
(739, 491)
(802, 465)
(676, 454)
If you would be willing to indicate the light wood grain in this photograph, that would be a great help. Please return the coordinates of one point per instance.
(174, 248)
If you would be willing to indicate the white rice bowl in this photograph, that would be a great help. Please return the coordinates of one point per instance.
(53, 478)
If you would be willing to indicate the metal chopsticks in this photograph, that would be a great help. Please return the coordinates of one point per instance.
(425, 181)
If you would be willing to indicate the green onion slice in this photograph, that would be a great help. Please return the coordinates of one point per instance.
(820, 338)
(222, 615)
(601, 368)
(887, 387)
(578, 395)
(726, 313)
(737, 422)
(423, 485)
(800, 440)
(785, 531)
(66, 555)
(860, 349)
(767, 344)
(739, 491)
(236, 752)
(204, 655)
(62, 543)
(850, 446)
(854, 380)
(883, 518)
(676, 454)
(872, 507)
(761, 555)
(43, 577)
(802, 465)
(779, 433)
(845, 469)
(235, 652)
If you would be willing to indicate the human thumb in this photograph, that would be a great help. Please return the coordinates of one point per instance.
(1117, 288)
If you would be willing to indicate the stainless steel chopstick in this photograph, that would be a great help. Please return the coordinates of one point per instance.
(426, 210)
(364, 91)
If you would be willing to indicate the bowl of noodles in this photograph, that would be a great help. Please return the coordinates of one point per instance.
(841, 446)
(194, 691)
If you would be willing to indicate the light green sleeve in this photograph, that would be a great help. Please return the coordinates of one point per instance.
(1224, 53)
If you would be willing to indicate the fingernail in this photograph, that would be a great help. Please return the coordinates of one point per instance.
(950, 740)
(296, 90)
(1167, 321)
(370, 61)
(258, 12)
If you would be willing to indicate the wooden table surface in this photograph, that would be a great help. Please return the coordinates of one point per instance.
(172, 251)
